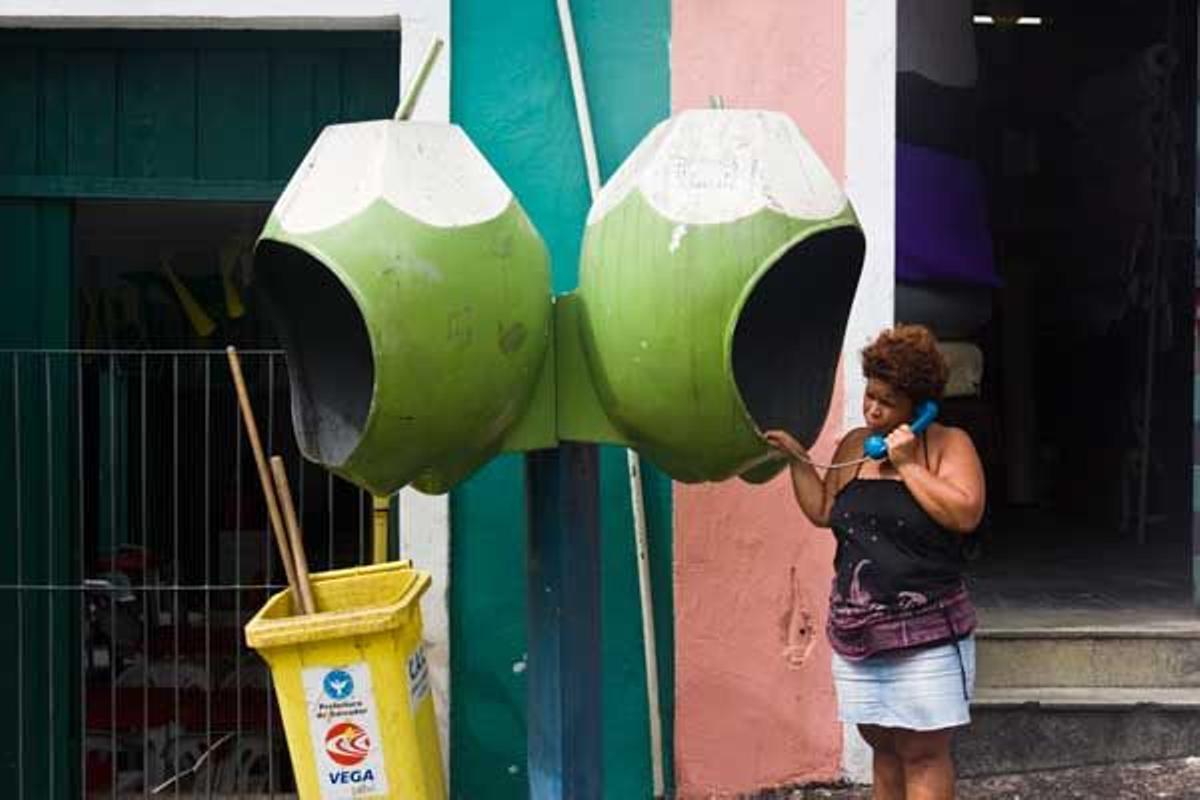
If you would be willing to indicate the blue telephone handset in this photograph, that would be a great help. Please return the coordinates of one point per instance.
(875, 447)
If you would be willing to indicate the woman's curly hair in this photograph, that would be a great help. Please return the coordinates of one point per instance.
(907, 359)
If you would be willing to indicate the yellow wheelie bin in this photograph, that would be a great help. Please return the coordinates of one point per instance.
(353, 685)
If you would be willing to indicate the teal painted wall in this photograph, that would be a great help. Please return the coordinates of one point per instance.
(511, 92)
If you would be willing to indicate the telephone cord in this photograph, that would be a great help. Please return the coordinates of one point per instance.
(837, 464)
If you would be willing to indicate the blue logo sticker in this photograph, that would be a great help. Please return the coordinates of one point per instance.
(338, 684)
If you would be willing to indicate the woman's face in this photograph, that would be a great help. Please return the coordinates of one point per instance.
(884, 407)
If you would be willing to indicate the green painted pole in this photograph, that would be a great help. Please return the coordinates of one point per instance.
(405, 109)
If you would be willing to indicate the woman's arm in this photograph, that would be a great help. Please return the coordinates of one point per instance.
(954, 496)
(814, 494)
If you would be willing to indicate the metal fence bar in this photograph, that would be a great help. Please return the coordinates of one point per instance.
(82, 514)
(49, 406)
(18, 506)
(175, 619)
(238, 597)
(270, 561)
(208, 665)
(113, 655)
(146, 604)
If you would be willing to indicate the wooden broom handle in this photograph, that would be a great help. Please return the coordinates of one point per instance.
(294, 535)
(264, 475)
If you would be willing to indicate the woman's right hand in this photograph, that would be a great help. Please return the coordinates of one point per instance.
(784, 442)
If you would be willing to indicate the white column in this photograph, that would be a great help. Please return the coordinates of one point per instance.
(425, 538)
(870, 178)
(871, 185)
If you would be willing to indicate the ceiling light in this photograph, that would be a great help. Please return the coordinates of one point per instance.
(989, 19)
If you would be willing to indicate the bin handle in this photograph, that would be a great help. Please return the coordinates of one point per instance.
(264, 476)
(294, 534)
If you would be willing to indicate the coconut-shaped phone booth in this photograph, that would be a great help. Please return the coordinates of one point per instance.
(717, 272)
(412, 297)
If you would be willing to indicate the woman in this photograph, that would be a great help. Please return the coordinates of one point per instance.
(900, 620)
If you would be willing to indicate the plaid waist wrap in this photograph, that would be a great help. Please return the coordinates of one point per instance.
(857, 632)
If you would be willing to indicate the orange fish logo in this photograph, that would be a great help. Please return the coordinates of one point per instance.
(347, 744)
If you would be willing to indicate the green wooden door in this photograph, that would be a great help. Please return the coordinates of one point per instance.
(189, 115)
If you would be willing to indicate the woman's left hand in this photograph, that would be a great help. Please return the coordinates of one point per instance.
(785, 443)
(902, 446)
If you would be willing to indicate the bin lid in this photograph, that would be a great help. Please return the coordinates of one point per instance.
(352, 602)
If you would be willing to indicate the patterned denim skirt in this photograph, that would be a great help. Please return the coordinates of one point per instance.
(924, 689)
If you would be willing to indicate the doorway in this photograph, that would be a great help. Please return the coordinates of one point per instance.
(173, 543)
(1045, 231)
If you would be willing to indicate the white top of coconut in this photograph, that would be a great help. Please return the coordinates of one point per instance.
(430, 171)
(712, 166)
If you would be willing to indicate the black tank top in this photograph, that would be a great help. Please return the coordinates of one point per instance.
(891, 555)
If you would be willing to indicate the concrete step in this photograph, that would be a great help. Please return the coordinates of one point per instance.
(1086, 698)
(1083, 656)
(1024, 729)
(1070, 689)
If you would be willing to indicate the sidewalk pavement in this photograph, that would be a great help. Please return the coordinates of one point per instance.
(1152, 780)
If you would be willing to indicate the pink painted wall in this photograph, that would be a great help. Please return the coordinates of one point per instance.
(754, 695)
(778, 54)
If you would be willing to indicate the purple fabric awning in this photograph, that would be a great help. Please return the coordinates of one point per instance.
(942, 233)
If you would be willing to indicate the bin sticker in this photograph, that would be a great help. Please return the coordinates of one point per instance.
(344, 723)
(418, 678)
